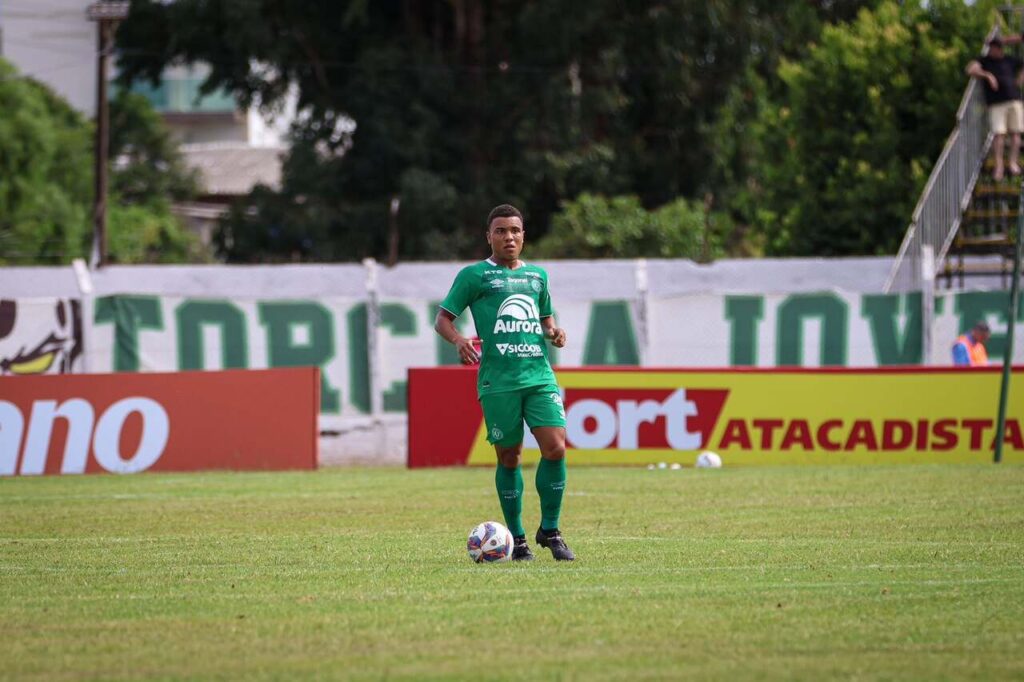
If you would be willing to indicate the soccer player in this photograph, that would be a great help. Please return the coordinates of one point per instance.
(511, 308)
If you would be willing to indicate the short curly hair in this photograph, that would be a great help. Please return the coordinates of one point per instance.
(503, 211)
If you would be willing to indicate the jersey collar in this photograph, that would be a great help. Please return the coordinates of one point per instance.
(491, 261)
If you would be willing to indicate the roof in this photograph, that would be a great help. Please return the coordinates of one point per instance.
(233, 169)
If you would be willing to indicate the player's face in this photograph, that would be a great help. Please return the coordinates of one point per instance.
(505, 235)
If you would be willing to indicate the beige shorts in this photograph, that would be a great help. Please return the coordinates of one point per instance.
(1006, 117)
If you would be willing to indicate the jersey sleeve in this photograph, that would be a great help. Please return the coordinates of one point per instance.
(462, 293)
(545, 300)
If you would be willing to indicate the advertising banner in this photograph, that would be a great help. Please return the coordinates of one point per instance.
(186, 421)
(787, 416)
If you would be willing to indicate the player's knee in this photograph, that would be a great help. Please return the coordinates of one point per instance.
(554, 452)
(510, 458)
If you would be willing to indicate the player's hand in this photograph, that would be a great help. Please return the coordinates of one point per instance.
(992, 82)
(467, 352)
(557, 336)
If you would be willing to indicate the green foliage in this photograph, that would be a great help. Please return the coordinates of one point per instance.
(147, 163)
(532, 103)
(150, 233)
(46, 178)
(620, 227)
(45, 157)
(830, 158)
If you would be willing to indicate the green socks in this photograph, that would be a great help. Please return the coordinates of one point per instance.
(509, 483)
(550, 486)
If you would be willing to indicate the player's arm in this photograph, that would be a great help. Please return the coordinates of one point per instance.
(444, 324)
(553, 331)
(975, 70)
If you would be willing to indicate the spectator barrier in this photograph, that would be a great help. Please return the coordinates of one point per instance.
(748, 416)
(365, 326)
(185, 421)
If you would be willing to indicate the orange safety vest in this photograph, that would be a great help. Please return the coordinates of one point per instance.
(975, 350)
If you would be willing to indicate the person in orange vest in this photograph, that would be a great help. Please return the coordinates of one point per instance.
(969, 349)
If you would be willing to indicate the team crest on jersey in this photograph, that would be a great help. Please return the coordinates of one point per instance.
(524, 313)
(537, 286)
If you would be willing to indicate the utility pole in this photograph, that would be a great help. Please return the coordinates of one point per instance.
(393, 231)
(106, 14)
(1004, 389)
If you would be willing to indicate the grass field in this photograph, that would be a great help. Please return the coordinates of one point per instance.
(891, 572)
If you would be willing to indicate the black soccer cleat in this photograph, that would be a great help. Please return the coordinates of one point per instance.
(521, 550)
(552, 539)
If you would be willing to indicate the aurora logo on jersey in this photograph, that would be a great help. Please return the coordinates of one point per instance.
(524, 313)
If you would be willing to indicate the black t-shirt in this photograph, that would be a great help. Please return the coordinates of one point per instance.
(1005, 69)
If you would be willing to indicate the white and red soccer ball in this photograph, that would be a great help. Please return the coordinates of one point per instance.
(489, 543)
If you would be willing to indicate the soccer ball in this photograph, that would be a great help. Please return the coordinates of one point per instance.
(708, 460)
(490, 542)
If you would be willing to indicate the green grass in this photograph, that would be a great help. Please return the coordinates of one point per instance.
(893, 572)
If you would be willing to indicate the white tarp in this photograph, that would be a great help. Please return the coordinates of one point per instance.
(365, 325)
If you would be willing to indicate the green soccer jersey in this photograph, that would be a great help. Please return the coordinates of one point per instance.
(507, 307)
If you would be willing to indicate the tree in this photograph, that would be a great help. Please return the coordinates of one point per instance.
(45, 153)
(148, 176)
(836, 150)
(46, 178)
(147, 163)
(461, 105)
(620, 227)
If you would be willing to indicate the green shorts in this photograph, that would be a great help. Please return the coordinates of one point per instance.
(504, 412)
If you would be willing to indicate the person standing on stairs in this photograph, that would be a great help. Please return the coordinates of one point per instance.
(1002, 75)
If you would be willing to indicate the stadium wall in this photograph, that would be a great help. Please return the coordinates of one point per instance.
(365, 325)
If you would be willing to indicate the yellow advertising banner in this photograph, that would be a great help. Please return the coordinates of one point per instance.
(816, 416)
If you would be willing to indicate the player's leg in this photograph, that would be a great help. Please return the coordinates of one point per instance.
(546, 418)
(504, 419)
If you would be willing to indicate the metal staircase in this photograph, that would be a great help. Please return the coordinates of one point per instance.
(986, 230)
(963, 223)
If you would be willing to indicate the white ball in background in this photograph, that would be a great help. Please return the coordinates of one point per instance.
(676, 466)
(708, 460)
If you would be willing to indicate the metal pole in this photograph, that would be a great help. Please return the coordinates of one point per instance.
(393, 231)
(106, 14)
(1004, 390)
(99, 243)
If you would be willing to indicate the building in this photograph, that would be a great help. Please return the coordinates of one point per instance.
(232, 149)
(54, 43)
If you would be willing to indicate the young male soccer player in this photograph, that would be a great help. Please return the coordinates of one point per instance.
(511, 307)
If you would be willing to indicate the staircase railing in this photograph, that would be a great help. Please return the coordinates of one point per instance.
(947, 193)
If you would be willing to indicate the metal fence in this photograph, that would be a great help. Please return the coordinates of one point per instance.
(939, 211)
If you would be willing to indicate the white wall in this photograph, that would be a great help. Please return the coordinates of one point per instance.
(52, 41)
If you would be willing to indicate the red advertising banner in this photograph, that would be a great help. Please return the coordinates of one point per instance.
(748, 416)
(184, 421)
